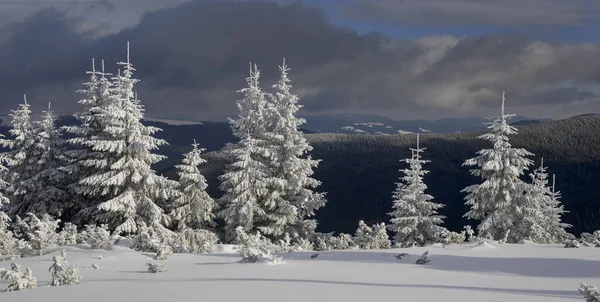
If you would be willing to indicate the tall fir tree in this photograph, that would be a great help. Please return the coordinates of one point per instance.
(130, 189)
(20, 145)
(415, 220)
(44, 189)
(194, 207)
(251, 127)
(498, 201)
(292, 166)
(244, 185)
(87, 158)
(542, 216)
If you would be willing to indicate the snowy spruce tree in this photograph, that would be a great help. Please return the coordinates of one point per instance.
(542, 215)
(20, 145)
(415, 220)
(292, 166)
(43, 189)
(130, 190)
(88, 158)
(246, 182)
(498, 201)
(194, 207)
(244, 185)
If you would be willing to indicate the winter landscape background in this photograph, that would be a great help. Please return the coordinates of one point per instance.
(134, 156)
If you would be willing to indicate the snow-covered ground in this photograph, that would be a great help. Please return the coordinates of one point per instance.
(467, 272)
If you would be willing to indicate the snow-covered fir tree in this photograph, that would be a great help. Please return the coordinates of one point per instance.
(8, 243)
(130, 190)
(292, 166)
(498, 201)
(542, 215)
(89, 158)
(253, 154)
(194, 207)
(20, 145)
(244, 186)
(415, 220)
(43, 189)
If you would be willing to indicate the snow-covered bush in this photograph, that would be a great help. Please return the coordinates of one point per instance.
(450, 237)
(381, 240)
(149, 238)
(276, 259)
(39, 234)
(342, 242)
(155, 267)
(303, 244)
(98, 237)
(68, 235)
(323, 241)
(572, 244)
(18, 280)
(251, 247)
(589, 292)
(194, 241)
(63, 273)
(8, 243)
(363, 236)
(162, 252)
(469, 234)
(321, 245)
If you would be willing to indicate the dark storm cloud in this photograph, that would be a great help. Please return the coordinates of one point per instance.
(193, 57)
(472, 12)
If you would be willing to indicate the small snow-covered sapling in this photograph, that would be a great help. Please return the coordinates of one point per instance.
(589, 292)
(18, 280)
(63, 273)
(424, 259)
(154, 267)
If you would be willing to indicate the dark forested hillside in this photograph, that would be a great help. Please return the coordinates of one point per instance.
(358, 172)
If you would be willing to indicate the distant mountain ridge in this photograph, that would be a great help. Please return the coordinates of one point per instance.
(381, 125)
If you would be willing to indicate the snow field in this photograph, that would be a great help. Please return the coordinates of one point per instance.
(466, 272)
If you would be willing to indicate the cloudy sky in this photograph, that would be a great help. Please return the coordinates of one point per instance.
(405, 59)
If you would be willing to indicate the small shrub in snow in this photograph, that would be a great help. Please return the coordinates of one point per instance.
(321, 245)
(381, 240)
(424, 258)
(276, 259)
(251, 247)
(18, 280)
(342, 242)
(304, 245)
(98, 237)
(68, 235)
(587, 237)
(194, 241)
(363, 236)
(149, 238)
(8, 243)
(39, 234)
(589, 292)
(469, 234)
(162, 252)
(154, 267)
(572, 244)
(63, 273)
(451, 237)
